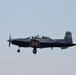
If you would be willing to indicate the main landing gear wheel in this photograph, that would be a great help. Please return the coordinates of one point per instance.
(18, 51)
(34, 51)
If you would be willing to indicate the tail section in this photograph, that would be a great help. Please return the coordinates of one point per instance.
(68, 37)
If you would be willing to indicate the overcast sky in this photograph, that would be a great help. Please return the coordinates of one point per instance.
(23, 18)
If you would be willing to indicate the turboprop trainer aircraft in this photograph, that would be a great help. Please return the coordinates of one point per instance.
(43, 42)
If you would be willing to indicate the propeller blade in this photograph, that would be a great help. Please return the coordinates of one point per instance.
(9, 44)
(9, 40)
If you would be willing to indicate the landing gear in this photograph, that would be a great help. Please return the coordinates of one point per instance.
(34, 51)
(18, 50)
(52, 48)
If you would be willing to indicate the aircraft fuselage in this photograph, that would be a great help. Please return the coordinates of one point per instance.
(43, 42)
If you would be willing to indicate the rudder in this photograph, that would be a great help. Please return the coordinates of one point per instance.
(68, 37)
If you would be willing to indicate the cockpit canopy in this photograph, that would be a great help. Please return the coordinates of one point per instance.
(38, 37)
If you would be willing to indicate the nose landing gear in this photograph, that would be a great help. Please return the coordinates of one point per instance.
(18, 50)
(34, 50)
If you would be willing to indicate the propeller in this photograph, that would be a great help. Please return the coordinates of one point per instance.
(9, 40)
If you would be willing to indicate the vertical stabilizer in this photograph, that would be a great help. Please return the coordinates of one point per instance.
(68, 37)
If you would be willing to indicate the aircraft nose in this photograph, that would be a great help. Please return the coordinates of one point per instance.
(11, 40)
(8, 40)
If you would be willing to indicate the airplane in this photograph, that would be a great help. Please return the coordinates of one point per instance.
(42, 42)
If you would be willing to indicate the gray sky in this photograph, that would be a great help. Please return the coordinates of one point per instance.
(22, 18)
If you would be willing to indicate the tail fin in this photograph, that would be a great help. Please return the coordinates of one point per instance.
(68, 37)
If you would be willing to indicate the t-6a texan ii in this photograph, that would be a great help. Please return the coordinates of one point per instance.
(43, 42)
